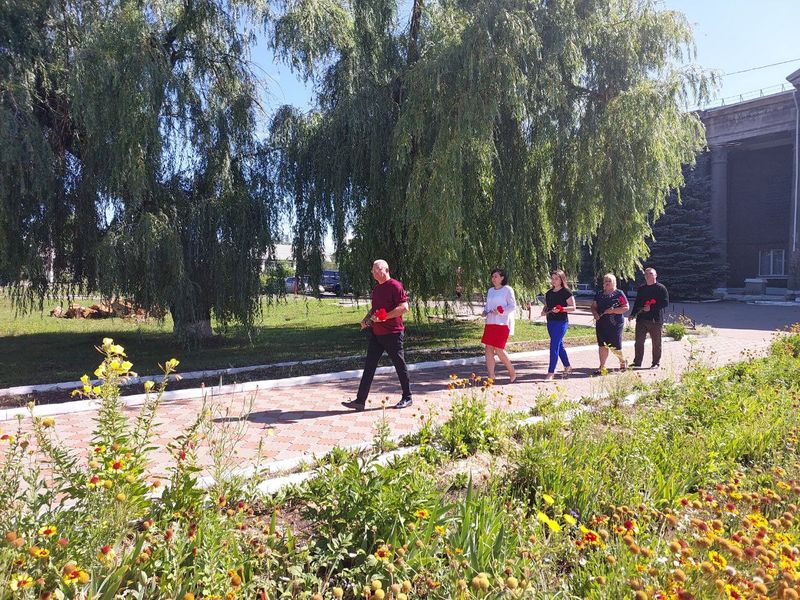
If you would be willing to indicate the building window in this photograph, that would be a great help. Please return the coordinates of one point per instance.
(772, 263)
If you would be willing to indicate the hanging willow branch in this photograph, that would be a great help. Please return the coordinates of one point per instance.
(490, 132)
(132, 168)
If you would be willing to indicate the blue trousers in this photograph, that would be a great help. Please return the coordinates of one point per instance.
(557, 331)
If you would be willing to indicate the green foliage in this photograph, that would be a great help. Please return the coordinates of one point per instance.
(96, 528)
(683, 249)
(486, 133)
(593, 508)
(675, 330)
(132, 165)
(682, 436)
(471, 427)
(366, 501)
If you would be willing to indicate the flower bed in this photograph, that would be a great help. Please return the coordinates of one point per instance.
(693, 492)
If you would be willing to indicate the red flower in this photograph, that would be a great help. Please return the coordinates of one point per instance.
(380, 314)
(500, 309)
(650, 302)
(558, 308)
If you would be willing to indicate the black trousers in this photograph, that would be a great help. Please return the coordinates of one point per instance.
(392, 344)
(642, 329)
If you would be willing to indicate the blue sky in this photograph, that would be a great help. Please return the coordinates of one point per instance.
(731, 36)
(734, 35)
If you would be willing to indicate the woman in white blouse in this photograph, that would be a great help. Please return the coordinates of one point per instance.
(499, 314)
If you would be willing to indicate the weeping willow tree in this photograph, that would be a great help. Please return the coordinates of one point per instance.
(474, 133)
(129, 162)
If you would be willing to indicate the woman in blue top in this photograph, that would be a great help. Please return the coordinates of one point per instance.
(608, 307)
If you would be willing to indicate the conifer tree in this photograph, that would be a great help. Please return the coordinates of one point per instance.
(683, 250)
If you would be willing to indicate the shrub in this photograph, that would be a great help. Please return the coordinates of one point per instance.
(675, 330)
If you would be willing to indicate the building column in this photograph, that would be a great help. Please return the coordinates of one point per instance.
(793, 257)
(719, 199)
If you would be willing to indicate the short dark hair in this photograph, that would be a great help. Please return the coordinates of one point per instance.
(502, 274)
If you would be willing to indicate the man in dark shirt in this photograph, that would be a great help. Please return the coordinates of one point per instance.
(385, 320)
(648, 310)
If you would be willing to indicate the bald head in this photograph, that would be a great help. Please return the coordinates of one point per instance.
(650, 275)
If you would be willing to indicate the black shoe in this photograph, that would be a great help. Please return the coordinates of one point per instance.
(354, 404)
(404, 403)
(655, 366)
(636, 365)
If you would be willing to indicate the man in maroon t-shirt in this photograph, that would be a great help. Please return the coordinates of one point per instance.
(385, 318)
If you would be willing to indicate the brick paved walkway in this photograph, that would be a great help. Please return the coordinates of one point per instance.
(297, 421)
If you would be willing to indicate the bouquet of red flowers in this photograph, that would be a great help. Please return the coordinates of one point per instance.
(558, 308)
(650, 302)
(500, 309)
(380, 314)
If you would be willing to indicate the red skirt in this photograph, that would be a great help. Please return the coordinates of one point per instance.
(495, 335)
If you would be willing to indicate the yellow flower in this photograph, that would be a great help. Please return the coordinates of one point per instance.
(148, 385)
(439, 529)
(733, 593)
(569, 520)
(117, 349)
(383, 553)
(548, 499)
(48, 422)
(76, 575)
(553, 525)
(48, 530)
(107, 342)
(172, 364)
(106, 554)
(20, 581)
(543, 518)
(717, 560)
(421, 513)
(85, 379)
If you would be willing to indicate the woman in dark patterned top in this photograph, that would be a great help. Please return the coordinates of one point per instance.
(608, 306)
(558, 302)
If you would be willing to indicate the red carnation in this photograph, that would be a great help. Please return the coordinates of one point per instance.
(380, 314)
(558, 308)
(500, 309)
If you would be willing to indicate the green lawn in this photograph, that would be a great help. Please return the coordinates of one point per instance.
(37, 348)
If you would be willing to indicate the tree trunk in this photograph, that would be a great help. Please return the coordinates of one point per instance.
(192, 330)
(413, 34)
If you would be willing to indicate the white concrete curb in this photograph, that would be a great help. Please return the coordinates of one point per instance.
(64, 408)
